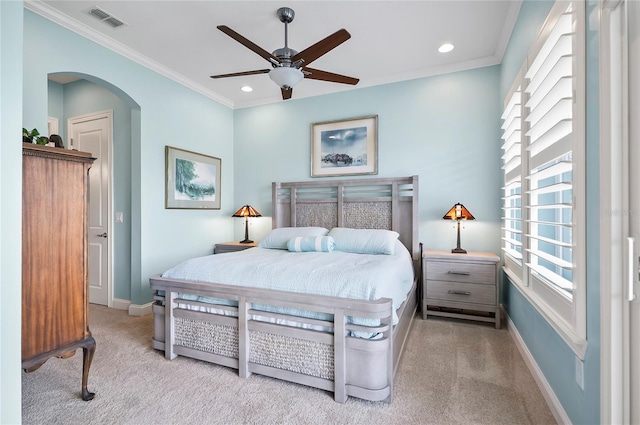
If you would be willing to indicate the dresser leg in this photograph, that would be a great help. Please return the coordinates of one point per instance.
(87, 357)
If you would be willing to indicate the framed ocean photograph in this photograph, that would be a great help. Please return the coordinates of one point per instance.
(345, 147)
(192, 180)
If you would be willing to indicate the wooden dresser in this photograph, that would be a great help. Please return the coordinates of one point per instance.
(54, 257)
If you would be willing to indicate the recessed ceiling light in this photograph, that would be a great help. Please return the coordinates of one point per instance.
(246, 89)
(445, 48)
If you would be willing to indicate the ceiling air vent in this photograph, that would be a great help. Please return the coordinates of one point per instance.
(105, 17)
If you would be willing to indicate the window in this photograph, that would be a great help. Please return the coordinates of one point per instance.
(544, 179)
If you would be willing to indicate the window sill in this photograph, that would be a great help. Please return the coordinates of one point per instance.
(577, 343)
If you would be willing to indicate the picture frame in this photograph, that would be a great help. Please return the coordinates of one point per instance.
(345, 147)
(193, 180)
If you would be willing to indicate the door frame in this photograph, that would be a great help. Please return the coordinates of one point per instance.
(615, 403)
(71, 121)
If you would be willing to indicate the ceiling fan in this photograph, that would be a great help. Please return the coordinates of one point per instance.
(288, 66)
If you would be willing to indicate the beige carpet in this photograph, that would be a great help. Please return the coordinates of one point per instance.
(452, 372)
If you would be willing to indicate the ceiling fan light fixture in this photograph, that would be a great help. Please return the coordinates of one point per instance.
(286, 77)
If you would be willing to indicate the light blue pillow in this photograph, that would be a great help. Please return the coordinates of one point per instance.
(279, 237)
(311, 244)
(364, 241)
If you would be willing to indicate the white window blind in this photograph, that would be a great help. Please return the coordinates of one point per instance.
(543, 156)
(549, 117)
(512, 166)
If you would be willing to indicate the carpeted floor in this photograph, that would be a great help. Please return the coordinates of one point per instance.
(452, 372)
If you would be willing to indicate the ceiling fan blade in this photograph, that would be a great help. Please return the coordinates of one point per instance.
(249, 44)
(240, 74)
(286, 93)
(312, 53)
(317, 74)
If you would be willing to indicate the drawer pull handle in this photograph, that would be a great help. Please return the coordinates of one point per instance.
(459, 273)
(453, 291)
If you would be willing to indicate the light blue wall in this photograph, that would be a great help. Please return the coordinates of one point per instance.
(444, 129)
(10, 210)
(554, 357)
(170, 114)
(55, 107)
(530, 19)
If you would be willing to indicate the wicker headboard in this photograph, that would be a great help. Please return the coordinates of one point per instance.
(379, 203)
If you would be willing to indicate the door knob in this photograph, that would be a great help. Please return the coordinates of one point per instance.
(103, 235)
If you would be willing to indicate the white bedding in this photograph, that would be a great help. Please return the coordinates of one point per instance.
(339, 274)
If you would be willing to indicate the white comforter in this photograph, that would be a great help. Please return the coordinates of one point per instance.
(339, 274)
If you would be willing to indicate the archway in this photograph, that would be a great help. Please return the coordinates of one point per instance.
(71, 95)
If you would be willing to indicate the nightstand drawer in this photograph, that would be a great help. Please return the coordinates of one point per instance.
(461, 292)
(461, 272)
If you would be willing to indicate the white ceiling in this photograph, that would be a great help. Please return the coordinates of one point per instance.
(390, 40)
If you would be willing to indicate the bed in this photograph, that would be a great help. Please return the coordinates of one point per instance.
(251, 322)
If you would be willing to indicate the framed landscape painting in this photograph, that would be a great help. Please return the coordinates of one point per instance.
(345, 147)
(192, 180)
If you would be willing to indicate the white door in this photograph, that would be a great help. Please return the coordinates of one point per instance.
(633, 289)
(92, 133)
(53, 126)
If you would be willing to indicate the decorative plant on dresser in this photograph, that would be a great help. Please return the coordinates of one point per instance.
(55, 257)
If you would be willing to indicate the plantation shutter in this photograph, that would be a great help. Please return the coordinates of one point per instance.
(512, 190)
(548, 112)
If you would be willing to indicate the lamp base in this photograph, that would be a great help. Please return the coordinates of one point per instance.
(246, 241)
(459, 251)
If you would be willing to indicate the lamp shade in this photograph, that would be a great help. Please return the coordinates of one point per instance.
(458, 212)
(285, 76)
(247, 211)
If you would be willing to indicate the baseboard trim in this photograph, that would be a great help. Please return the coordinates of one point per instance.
(140, 309)
(133, 309)
(120, 304)
(547, 392)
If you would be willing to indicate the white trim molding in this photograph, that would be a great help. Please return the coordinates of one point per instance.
(614, 184)
(120, 304)
(132, 309)
(140, 309)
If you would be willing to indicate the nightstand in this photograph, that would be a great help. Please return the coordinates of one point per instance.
(463, 286)
(221, 248)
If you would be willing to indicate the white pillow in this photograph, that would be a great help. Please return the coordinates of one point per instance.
(278, 238)
(364, 241)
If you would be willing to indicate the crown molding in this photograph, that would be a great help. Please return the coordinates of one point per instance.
(87, 32)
